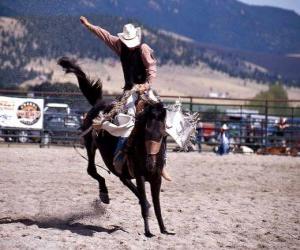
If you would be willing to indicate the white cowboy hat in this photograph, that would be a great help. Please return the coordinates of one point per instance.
(131, 36)
(224, 127)
(283, 120)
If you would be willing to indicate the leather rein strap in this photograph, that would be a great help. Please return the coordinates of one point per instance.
(153, 147)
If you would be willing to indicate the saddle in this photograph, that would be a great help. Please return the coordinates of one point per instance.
(121, 158)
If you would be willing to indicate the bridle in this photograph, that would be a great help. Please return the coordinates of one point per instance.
(152, 148)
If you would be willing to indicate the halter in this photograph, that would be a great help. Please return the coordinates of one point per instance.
(152, 148)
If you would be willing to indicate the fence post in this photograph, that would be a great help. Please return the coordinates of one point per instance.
(191, 104)
(292, 138)
(241, 124)
(266, 122)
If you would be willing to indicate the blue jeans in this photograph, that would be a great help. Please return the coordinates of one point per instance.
(120, 144)
(223, 149)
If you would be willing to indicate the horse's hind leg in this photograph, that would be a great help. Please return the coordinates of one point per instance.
(92, 171)
(128, 183)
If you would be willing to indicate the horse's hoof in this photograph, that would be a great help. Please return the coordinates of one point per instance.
(167, 233)
(104, 197)
(149, 235)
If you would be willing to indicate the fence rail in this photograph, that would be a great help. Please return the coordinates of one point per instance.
(254, 124)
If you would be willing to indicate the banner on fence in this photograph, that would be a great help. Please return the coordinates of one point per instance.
(21, 112)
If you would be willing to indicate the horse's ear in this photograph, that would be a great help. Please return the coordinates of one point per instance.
(161, 110)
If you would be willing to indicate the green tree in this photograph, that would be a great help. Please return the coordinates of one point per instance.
(276, 98)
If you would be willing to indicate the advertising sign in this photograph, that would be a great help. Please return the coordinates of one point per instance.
(21, 112)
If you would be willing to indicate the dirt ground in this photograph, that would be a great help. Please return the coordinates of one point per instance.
(47, 201)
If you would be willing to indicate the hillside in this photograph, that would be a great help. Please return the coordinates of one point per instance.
(46, 23)
(27, 38)
(171, 79)
(31, 47)
(225, 23)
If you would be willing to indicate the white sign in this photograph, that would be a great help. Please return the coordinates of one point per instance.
(21, 112)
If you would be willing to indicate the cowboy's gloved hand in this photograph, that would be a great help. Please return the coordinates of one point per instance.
(84, 20)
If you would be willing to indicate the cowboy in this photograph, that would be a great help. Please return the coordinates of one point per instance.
(223, 141)
(281, 128)
(138, 63)
(199, 135)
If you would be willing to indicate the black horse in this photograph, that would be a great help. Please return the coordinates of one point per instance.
(146, 157)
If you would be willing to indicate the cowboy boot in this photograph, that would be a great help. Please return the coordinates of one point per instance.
(119, 161)
(119, 156)
(165, 174)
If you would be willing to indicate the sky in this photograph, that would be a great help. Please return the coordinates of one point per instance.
(286, 4)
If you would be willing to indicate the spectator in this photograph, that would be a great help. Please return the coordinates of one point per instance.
(280, 130)
(250, 130)
(223, 141)
(199, 136)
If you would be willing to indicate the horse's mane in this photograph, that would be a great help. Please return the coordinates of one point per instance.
(92, 90)
(155, 110)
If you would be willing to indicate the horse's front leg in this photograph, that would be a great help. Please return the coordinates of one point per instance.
(155, 192)
(92, 171)
(140, 181)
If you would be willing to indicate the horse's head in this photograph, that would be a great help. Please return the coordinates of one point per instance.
(154, 133)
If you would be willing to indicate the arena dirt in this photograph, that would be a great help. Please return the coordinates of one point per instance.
(47, 201)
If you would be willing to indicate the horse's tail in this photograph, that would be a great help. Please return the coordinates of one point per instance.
(92, 90)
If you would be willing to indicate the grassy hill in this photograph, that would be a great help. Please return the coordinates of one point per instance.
(27, 38)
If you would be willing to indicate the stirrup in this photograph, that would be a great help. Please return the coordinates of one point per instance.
(165, 175)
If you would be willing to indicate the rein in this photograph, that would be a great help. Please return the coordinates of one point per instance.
(85, 132)
(88, 160)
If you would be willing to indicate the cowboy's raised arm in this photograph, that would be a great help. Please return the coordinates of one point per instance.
(111, 41)
(149, 62)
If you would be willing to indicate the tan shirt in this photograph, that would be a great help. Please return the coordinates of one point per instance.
(114, 43)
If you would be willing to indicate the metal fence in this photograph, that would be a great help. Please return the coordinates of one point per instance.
(255, 124)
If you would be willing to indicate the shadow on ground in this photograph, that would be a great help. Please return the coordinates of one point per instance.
(54, 223)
